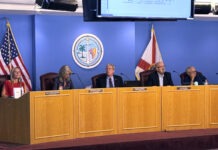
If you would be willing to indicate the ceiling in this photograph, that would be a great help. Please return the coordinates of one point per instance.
(30, 7)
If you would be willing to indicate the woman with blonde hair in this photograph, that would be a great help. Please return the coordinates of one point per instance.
(15, 82)
(63, 81)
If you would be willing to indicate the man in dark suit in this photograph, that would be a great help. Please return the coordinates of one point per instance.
(192, 77)
(159, 77)
(109, 80)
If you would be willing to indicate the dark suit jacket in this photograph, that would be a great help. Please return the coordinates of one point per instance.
(102, 81)
(200, 78)
(153, 79)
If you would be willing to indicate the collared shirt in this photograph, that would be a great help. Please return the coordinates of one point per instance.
(161, 76)
(107, 83)
(200, 78)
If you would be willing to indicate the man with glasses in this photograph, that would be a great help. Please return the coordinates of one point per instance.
(159, 77)
(192, 77)
(109, 80)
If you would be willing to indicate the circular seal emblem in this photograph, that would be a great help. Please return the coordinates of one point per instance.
(87, 51)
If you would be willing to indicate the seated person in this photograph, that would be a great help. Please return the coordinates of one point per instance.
(192, 77)
(63, 81)
(109, 80)
(15, 82)
(159, 77)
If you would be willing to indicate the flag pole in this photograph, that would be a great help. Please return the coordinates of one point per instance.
(9, 44)
(12, 35)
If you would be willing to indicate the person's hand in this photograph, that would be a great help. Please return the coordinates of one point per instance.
(60, 88)
(192, 76)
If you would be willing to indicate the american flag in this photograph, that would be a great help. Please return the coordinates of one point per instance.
(10, 57)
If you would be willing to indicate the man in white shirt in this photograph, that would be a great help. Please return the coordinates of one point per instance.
(159, 77)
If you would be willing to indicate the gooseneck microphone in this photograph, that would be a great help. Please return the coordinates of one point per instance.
(122, 74)
(19, 81)
(80, 80)
(174, 71)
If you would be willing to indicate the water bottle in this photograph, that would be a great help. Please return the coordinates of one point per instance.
(195, 83)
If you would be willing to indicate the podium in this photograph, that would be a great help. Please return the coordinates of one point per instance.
(37, 117)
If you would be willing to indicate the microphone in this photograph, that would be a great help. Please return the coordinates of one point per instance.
(174, 71)
(19, 81)
(81, 82)
(122, 74)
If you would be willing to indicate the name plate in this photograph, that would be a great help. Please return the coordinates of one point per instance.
(95, 90)
(18, 92)
(52, 93)
(139, 89)
(183, 88)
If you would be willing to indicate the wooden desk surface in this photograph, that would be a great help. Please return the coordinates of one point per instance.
(183, 108)
(139, 110)
(45, 116)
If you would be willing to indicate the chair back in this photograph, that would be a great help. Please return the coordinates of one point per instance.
(2, 81)
(95, 78)
(47, 81)
(144, 76)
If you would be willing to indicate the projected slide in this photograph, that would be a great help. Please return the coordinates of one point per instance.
(146, 8)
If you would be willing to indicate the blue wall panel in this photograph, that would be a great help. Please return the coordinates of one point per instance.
(184, 43)
(22, 28)
(55, 36)
(45, 42)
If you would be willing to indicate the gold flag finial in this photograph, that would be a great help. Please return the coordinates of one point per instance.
(7, 23)
(152, 27)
